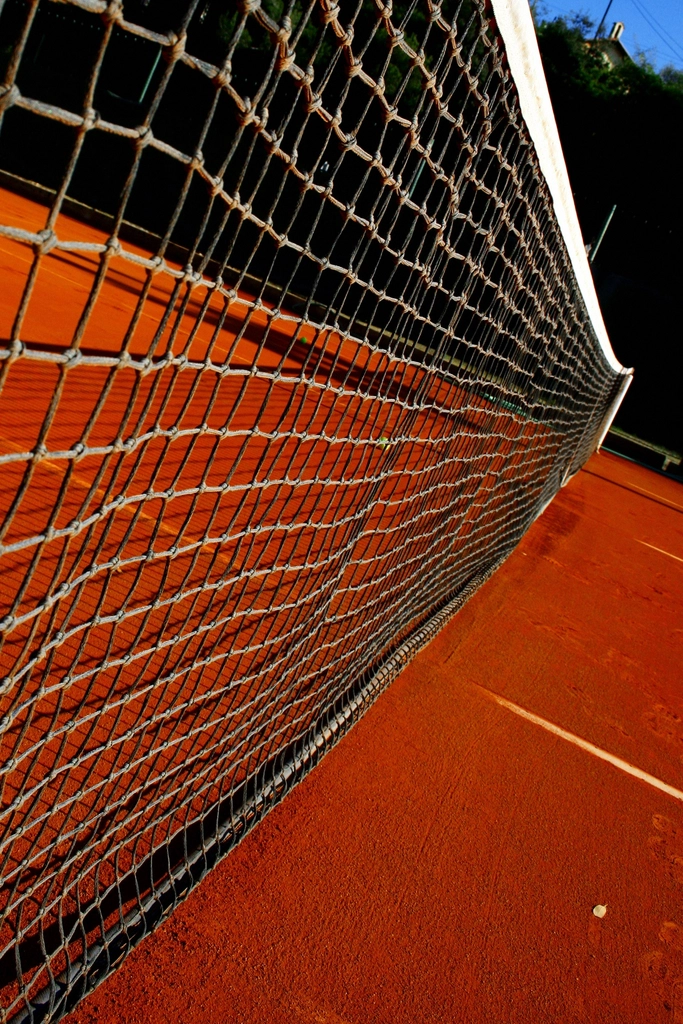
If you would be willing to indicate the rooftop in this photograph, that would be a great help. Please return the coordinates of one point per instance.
(611, 47)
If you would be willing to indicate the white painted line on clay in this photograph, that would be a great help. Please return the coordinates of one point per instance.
(653, 494)
(585, 745)
(661, 550)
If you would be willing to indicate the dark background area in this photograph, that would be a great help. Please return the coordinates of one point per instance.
(621, 130)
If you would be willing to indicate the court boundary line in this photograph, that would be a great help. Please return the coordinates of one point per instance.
(661, 550)
(233, 823)
(571, 737)
(634, 489)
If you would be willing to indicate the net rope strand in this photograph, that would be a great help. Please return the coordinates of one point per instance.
(291, 355)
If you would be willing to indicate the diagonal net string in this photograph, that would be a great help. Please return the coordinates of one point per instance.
(291, 355)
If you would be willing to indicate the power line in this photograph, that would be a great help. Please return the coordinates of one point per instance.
(653, 25)
(678, 54)
(648, 14)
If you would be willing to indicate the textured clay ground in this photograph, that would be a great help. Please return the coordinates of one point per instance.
(442, 863)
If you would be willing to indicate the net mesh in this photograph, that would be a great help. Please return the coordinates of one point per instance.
(292, 355)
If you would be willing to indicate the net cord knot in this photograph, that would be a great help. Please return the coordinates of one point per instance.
(113, 12)
(47, 241)
(175, 47)
(9, 95)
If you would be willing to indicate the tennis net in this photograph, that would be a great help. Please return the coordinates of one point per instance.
(293, 351)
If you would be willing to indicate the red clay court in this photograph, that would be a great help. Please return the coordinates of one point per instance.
(442, 863)
(298, 339)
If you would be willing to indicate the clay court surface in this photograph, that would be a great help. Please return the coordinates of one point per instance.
(441, 864)
(443, 861)
(168, 525)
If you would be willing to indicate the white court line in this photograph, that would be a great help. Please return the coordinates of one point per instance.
(585, 745)
(653, 494)
(661, 550)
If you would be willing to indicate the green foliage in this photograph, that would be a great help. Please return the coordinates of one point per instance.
(568, 60)
(573, 61)
(619, 129)
(672, 77)
(222, 26)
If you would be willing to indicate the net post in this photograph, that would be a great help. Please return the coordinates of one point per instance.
(614, 408)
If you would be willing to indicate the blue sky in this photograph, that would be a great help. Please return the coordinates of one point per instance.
(652, 26)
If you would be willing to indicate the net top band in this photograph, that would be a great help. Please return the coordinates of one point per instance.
(516, 27)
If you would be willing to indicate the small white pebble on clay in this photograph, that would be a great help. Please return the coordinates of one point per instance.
(600, 910)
